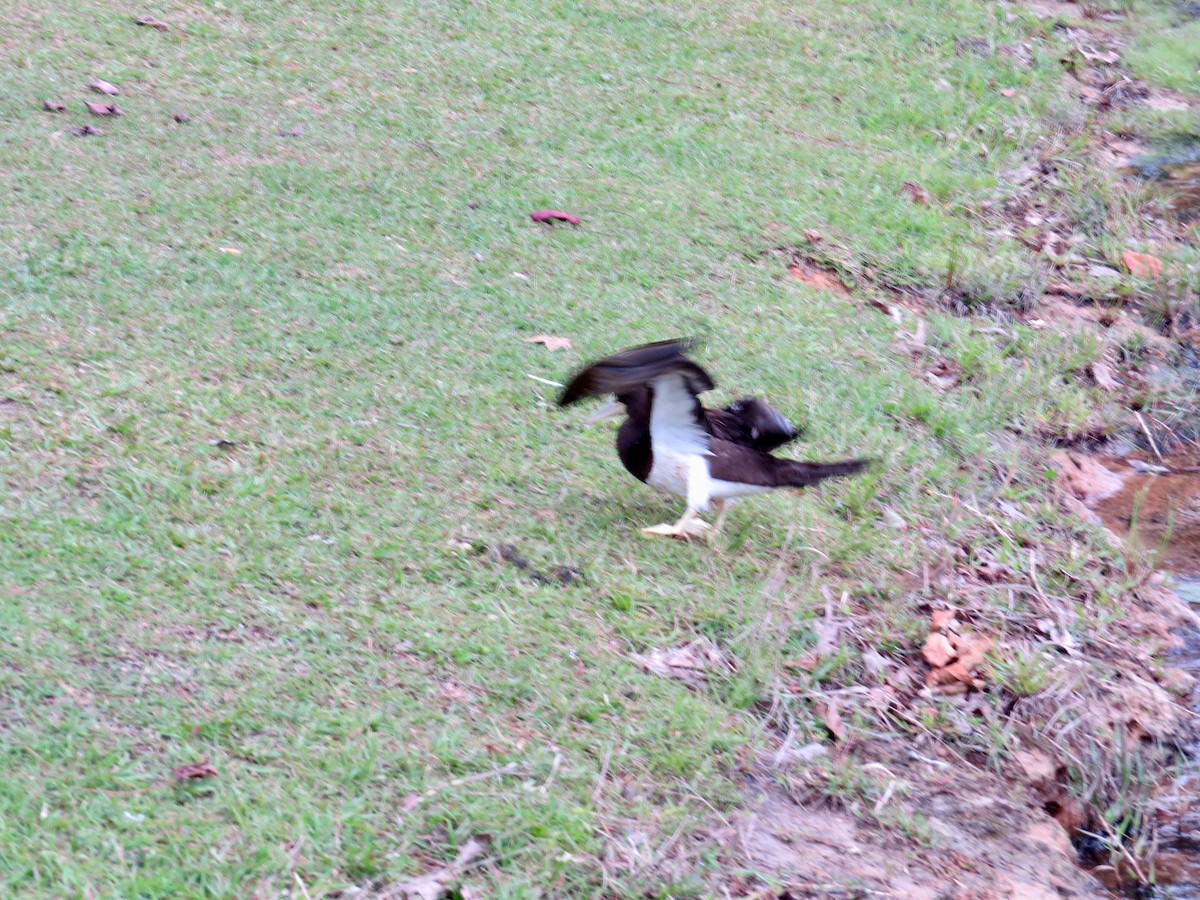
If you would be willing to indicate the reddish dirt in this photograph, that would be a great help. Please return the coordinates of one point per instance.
(1163, 505)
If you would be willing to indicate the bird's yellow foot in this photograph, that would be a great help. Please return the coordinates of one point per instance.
(684, 530)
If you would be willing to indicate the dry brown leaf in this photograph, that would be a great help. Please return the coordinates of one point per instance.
(689, 663)
(943, 373)
(181, 117)
(1142, 265)
(992, 571)
(938, 651)
(53, 106)
(1104, 375)
(194, 770)
(151, 22)
(1008, 92)
(972, 653)
(813, 237)
(916, 193)
(85, 130)
(550, 342)
(104, 87)
(941, 619)
(440, 883)
(832, 719)
(827, 631)
(875, 663)
(103, 109)
(808, 662)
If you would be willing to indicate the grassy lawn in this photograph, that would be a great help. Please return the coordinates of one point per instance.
(264, 406)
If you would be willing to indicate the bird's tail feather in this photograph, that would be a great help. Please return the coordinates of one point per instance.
(800, 473)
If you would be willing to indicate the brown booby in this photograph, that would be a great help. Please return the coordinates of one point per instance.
(672, 443)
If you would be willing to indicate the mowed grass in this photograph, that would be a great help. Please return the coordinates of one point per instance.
(265, 397)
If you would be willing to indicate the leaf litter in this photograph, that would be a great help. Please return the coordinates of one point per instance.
(103, 109)
(692, 663)
(441, 883)
(550, 342)
(104, 87)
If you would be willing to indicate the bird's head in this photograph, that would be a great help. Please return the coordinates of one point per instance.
(615, 408)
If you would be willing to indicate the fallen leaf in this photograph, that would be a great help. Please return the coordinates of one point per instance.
(688, 663)
(875, 663)
(832, 719)
(195, 770)
(1011, 511)
(103, 109)
(1008, 92)
(550, 342)
(1142, 265)
(943, 373)
(1104, 375)
(181, 117)
(232, 251)
(813, 237)
(551, 216)
(938, 651)
(991, 572)
(815, 277)
(916, 193)
(441, 882)
(827, 631)
(941, 619)
(104, 87)
(151, 22)
(53, 106)
(808, 662)
(294, 131)
(85, 130)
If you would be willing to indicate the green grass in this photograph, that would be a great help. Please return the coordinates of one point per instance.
(1166, 52)
(297, 606)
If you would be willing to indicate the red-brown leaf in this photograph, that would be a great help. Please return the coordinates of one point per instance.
(832, 719)
(104, 87)
(53, 106)
(938, 650)
(916, 193)
(1142, 265)
(151, 22)
(103, 109)
(550, 342)
(195, 770)
(85, 131)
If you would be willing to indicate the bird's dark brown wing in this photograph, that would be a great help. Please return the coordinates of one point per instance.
(745, 465)
(633, 369)
(753, 423)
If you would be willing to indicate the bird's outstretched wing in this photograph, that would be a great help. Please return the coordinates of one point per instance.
(637, 368)
(753, 423)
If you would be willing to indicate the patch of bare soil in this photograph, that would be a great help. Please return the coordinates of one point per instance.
(1156, 506)
(984, 844)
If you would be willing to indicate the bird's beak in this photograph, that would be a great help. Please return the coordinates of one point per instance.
(610, 410)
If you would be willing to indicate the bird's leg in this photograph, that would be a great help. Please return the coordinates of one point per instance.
(688, 527)
(722, 508)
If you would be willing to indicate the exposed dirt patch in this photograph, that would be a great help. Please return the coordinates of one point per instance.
(1156, 509)
(980, 841)
(816, 277)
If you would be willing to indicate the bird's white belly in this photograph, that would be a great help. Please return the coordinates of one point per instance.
(726, 490)
(682, 474)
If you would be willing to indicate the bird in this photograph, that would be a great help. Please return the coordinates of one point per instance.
(670, 441)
